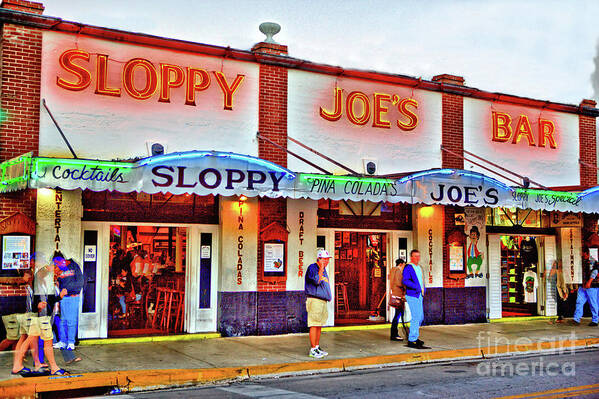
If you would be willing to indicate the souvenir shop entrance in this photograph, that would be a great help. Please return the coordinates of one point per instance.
(517, 266)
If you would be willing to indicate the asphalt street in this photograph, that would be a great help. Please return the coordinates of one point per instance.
(548, 376)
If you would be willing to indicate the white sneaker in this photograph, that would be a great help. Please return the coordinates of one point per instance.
(71, 347)
(321, 351)
(315, 353)
(59, 345)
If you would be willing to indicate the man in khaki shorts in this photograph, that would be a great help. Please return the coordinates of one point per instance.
(318, 294)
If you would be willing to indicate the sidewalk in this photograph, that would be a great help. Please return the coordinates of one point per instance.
(136, 366)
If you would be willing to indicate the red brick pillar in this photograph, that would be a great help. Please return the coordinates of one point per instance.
(20, 68)
(272, 123)
(587, 130)
(20, 71)
(452, 138)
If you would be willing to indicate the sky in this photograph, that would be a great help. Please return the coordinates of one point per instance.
(542, 49)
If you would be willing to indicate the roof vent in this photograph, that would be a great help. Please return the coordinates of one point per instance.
(270, 29)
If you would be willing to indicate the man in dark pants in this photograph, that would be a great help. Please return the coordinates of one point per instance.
(397, 290)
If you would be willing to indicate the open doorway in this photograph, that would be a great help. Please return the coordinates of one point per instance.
(360, 277)
(520, 268)
(146, 292)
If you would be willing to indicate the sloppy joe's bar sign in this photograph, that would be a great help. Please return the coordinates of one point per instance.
(227, 174)
(199, 172)
(140, 79)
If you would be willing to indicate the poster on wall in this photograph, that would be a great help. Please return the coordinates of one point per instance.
(456, 258)
(475, 222)
(274, 258)
(15, 252)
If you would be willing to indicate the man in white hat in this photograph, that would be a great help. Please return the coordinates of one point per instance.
(318, 293)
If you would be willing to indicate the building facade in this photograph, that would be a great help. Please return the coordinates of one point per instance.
(239, 165)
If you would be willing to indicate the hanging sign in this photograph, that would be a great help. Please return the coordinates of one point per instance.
(560, 219)
(198, 172)
(228, 174)
(14, 173)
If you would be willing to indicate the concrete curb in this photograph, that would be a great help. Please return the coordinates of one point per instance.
(138, 380)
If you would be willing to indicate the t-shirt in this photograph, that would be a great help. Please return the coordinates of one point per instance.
(595, 277)
(418, 271)
(528, 251)
(530, 284)
(137, 265)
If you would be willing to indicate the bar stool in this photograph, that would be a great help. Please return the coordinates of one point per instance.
(180, 310)
(161, 294)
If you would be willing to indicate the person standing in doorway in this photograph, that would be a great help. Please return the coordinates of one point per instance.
(397, 291)
(70, 283)
(559, 288)
(318, 294)
(413, 280)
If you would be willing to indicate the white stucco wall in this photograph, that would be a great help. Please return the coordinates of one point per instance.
(429, 218)
(549, 167)
(393, 149)
(71, 211)
(297, 247)
(571, 250)
(108, 127)
(229, 251)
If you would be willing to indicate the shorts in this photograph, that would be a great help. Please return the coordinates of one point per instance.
(41, 327)
(317, 312)
(25, 322)
(11, 324)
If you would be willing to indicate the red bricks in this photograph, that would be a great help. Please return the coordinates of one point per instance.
(448, 226)
(24, 6)
(452, 127)
(20, 76)
(272, 124)
(588, 146)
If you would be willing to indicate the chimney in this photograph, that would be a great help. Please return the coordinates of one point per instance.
(24, 6)
(586, 103)
(449, 79)
(269, 46)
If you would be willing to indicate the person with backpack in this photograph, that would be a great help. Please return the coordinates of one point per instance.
(398, 297)
(413, 280)
(70, 283)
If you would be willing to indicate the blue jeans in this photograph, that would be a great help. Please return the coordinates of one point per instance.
(592, 296)
(69, 319)
(417, 312)
(123, 303)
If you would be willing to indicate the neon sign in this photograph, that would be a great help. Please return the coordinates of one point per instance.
(504, 131)
(137, 70)
(360, 109)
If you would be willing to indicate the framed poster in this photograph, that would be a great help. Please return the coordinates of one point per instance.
(274, 258)
(346, 239)
(456, 258)
(16, 251)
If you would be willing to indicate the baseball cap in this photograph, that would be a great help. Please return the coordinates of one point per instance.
(322, 253)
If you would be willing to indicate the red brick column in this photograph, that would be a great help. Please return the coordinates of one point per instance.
(588, 146)
(452, 138)
(20, 71)
(272, 123)
(20, 68)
